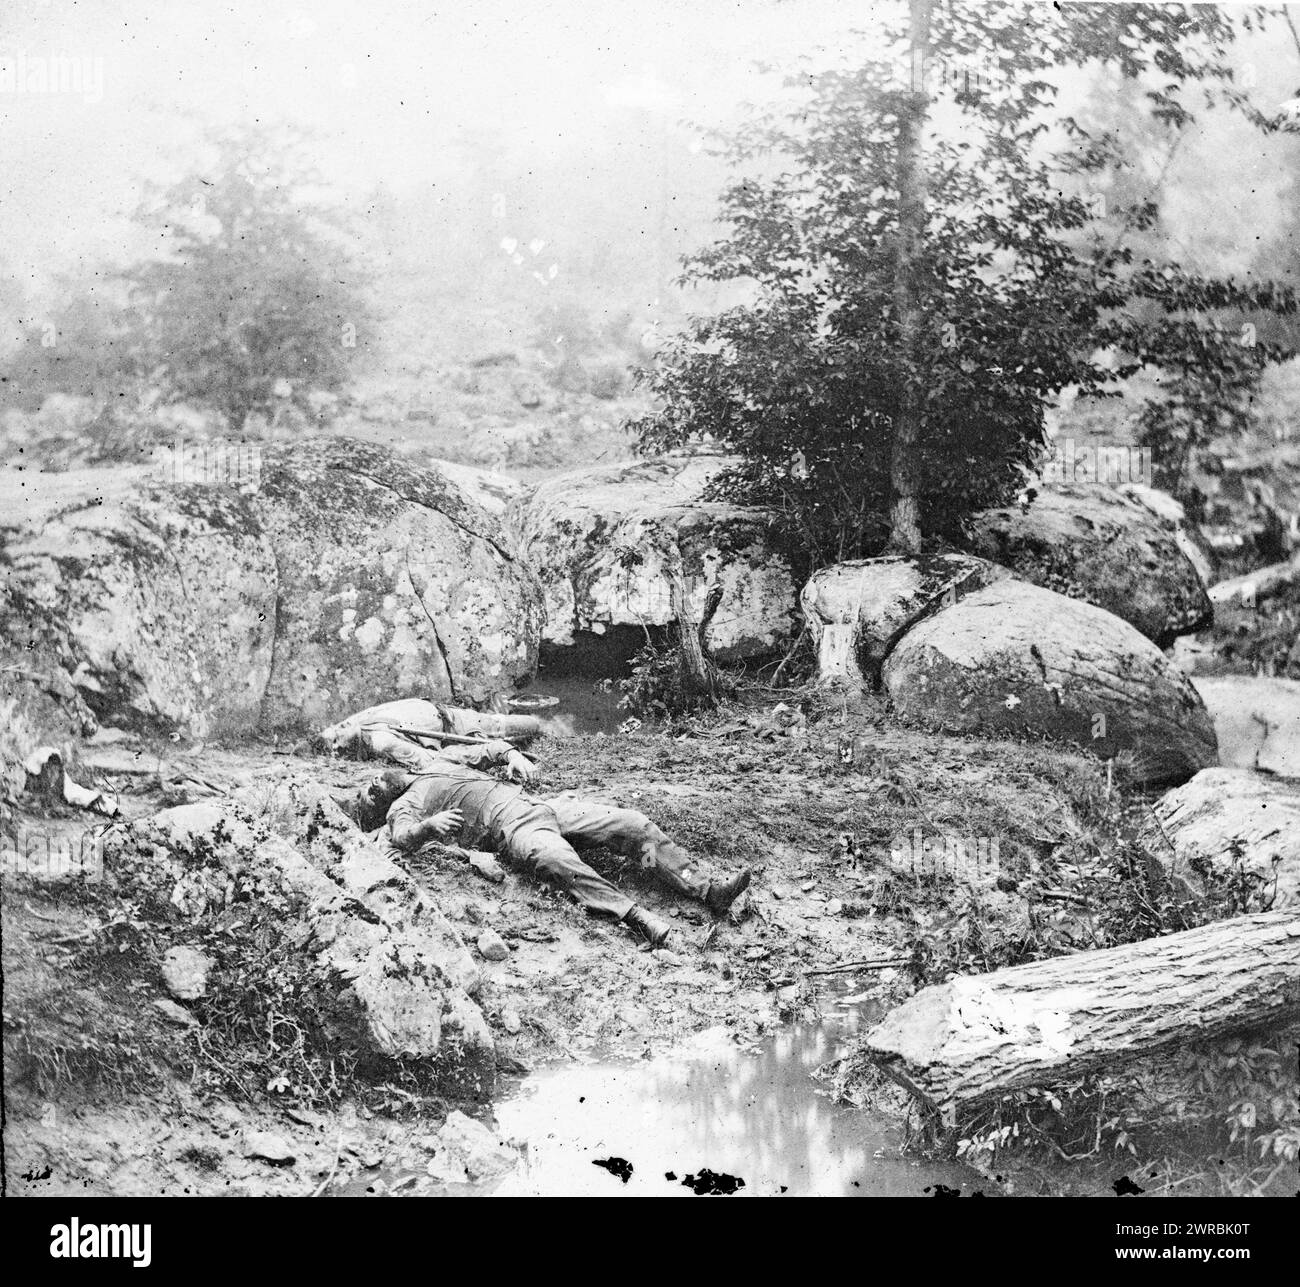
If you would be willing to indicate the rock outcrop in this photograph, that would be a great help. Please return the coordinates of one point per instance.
(156, 603)
(336, 572)
(390, 581)
(1231, 835)
(391, 976)
(857, 611)
(1092, 543)
(607, 544)
(1257, 720)
(1015, 658)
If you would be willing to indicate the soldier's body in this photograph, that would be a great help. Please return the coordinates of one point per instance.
(445, 794)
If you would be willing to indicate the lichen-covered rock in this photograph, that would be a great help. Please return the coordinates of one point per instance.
(391, 580)
(1173, 515)
(1230, 833)
(607, 542)
(337, 571)
(355, 926)
(1257, 720)
(857, 611)
(185, 972)
(1093, 543)
(493, 492)
(468, 1150)
(155, 600)
(1015, 658)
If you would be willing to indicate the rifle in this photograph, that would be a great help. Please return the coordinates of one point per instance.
(457, 739)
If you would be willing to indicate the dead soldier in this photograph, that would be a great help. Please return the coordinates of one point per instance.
(446, 795)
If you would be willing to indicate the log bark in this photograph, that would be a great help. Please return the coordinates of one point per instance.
(1034, 1025)
(1263, 583)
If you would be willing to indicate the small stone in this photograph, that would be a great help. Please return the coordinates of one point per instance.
(510, 1021)
(369, 1155)
(176, 1013)
(270, 1147)
(488, 867)
(778, 892)
(808, 886)
(473, 1147)
(834, 907)
(185, 972)
(492, 947)
(667, 957)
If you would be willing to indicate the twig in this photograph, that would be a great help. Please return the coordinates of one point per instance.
(86, 933)
(1295, 35)
(878, 963)
(338, 1153)
(776, 674)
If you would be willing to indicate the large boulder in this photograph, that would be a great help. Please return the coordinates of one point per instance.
(332, 572)
(1257, 720)
(391, 580)
(607, 543)
(155, 602)
(394, 975)
(857, 611)
(1015, 658)
(1231, 834)
(1094, 543)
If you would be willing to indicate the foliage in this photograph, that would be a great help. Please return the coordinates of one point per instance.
(1023, 281)
(657, 687)
(250, 301)
(1238, 1095)
(257, 301)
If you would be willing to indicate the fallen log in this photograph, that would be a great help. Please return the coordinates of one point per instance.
(1263, 583)
(984, 1035)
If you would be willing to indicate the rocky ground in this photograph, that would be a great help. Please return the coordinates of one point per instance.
(113, 1086)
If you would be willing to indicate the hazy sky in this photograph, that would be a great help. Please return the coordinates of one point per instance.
(384, 82)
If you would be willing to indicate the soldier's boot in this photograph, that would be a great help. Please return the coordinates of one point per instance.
(648, 925)
(721, 894)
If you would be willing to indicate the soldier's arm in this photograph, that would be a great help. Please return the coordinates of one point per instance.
(409, 829)
(490, 755)
(480, 755)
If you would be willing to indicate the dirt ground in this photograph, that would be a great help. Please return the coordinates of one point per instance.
(737, 790)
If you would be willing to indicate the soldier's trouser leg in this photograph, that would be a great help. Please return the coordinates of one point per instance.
(530, 833)
(585, 823)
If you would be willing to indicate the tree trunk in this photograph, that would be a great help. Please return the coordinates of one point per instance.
(1034, 1025)
(699, 678)
(905, 531)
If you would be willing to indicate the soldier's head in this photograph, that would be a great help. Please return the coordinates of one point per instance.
(368, 808)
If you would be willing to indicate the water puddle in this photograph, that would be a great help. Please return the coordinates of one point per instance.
(710, 1116)
(584, 706)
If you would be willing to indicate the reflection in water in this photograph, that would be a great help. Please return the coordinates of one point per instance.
(757, 1115)
(583, 707)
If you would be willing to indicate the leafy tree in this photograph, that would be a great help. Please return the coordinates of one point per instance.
(922, 291)
(255, 297)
